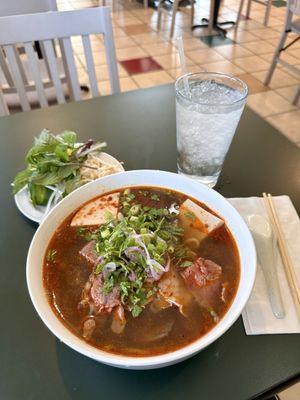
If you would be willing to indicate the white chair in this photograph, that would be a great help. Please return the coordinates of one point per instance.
(18, 7)
(45, 27)
(162, 9)
(290, 25)
(266, 3)
(114, 4)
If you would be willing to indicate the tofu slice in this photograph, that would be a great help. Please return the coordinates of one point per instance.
(94, 212)
(197, 222)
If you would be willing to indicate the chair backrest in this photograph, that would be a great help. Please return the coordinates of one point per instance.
(17, 7)
(44, 27)
(294, 6)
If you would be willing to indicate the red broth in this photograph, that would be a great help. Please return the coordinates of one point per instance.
(66, 272)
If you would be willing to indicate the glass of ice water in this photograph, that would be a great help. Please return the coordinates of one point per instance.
(208, 109)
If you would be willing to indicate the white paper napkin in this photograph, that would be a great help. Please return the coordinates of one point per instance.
(257, 316)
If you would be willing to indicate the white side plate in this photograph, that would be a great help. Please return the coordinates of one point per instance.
(36, 214)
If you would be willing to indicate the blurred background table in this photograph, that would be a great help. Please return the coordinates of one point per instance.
(139, 128)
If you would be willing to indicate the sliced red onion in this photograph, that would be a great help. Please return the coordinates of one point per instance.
(160, 240)
(152, 275)
(156, 265)
(155, 270)
(132, 276)
(84, 147)
(99, 260)
(130, 252)
(109, 268)
(92, 148)
(141, 243)
(173, 209)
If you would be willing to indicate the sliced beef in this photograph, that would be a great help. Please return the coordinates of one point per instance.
(104, 302)
(89, 253)
(203, 279)
(93, 299)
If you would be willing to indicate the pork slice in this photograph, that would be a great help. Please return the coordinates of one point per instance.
(88, 328)
(118, 320)
(94, 212)
(159, 304)
(174, 291)
(203, 279)
(89, 252)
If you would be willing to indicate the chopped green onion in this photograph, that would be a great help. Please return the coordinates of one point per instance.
(190, 215)
(51, 255)
(186, 264)
(139, 245)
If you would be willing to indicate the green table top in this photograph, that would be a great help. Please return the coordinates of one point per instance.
(140, 130)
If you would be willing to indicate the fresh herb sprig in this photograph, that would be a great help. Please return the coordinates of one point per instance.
(54, 160)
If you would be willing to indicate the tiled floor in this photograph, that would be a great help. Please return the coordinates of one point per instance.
(293, 393)
(147, 57)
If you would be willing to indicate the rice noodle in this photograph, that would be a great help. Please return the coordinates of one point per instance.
(102, 168)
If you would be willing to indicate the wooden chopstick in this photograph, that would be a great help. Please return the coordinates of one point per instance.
(287, 262)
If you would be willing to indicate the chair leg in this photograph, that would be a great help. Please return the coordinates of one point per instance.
(267, 13)
(159, 12)
(297, 97)
(275, 58)
(239, 14)
(192, 12)
(145, 3)
(174, 11)
(248, 9)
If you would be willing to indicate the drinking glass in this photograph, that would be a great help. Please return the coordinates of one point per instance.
(209, 106)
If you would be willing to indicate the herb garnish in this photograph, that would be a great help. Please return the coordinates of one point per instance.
(53, 166)
(51, 255)
(136, 249)
(185, 264)
(155, 197)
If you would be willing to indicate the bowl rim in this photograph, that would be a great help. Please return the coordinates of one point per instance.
(156, 361)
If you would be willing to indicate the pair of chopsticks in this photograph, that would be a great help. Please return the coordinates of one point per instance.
(286, 259)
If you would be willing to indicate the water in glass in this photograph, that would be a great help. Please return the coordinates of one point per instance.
(206, 117)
